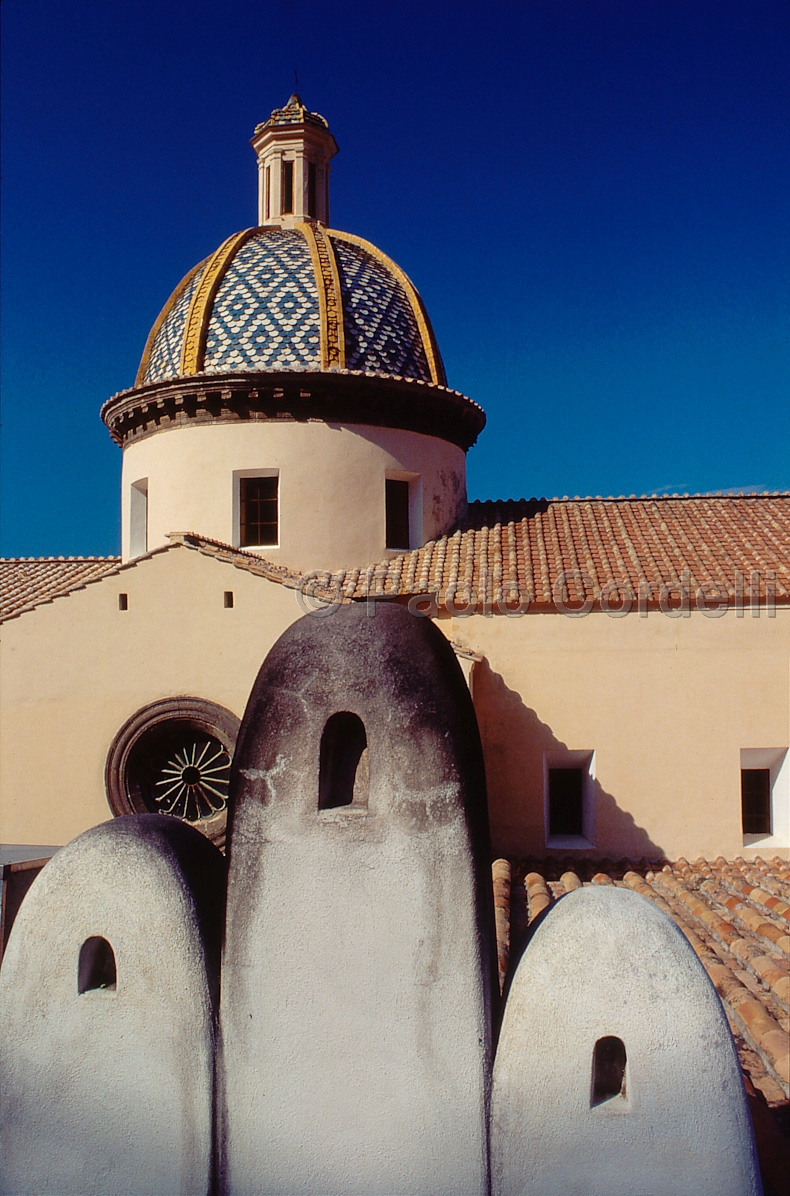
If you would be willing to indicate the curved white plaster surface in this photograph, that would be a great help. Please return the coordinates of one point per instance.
(358, 953)
(331, 489)
(108, 1092)
(606, 962)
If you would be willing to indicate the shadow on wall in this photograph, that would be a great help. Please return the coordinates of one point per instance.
(514, 743)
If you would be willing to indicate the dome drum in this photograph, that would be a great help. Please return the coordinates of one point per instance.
(336, 397)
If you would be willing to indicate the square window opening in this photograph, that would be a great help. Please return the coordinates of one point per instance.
(565, 801)
(756, 801)
(138, 517)
(288, 188)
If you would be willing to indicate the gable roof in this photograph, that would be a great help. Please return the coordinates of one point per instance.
(536, 554)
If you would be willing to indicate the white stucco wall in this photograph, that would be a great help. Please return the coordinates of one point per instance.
(74, 670)
(665, 704)
(331, 493)
(108, 1092)
(606, 962)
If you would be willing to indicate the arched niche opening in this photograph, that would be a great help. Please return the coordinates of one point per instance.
(343, 766)
(96, 967)
(608, 1070)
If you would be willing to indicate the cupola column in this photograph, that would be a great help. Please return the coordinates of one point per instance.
(294, 148)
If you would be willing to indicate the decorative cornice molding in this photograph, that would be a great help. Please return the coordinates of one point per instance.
(333, 397)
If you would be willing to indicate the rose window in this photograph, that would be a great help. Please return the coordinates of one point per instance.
(173, 757)
(193, 779)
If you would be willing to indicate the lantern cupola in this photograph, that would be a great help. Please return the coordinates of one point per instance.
(294, 148)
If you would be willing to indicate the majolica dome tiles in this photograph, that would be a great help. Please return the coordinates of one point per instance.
(168, 333)
(293, 299)
(380, 330)
(266, 314)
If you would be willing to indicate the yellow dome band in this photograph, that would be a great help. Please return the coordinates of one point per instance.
(426, 332)
(164, 313)
(193, 346)
(330, 305)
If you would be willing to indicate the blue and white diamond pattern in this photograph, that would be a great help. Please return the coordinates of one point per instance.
(165, 358)
(266, 314)
(380, 330)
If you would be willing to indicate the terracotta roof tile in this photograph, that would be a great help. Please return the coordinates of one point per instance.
(545, 552)
(27, 581)
(734, 914)
(516, 554)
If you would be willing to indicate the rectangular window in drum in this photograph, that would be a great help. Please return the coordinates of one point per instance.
(397, 507)
(258, 516)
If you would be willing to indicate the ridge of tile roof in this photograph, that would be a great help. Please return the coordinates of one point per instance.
(29, 582)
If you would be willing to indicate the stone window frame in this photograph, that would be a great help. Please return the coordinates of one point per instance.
(198, 714)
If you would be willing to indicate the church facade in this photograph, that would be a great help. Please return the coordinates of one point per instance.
(291, 446)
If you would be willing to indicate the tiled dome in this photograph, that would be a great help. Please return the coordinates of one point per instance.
(304, 298)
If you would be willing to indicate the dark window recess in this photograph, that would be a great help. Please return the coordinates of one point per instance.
(288, 187)
(608, 1070)
(268, 191)
(565, 801)
(123, 602)
(228, 599)
(756, 801)
(96, 966)
(258, 511)
(343, 764)
(311, 188)
(397, 503)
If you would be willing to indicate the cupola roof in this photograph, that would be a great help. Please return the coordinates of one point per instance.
(304, 298)
(292, 113)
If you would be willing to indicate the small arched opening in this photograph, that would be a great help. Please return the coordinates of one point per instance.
(96, 967)
(343, 764)
(608, 1070)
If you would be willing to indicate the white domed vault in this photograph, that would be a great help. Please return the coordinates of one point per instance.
(291, 398)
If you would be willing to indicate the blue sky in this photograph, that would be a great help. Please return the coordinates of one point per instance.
(593, 197)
